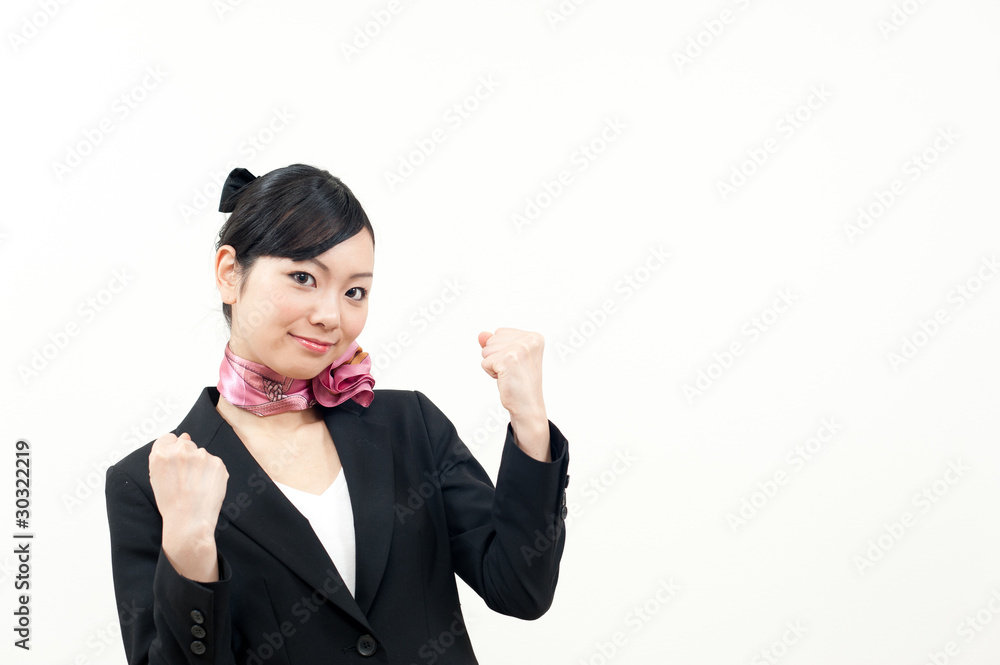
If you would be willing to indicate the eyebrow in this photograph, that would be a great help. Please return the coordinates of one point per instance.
(356, 275)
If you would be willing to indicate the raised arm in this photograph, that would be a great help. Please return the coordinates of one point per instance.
(171, 585)
(506, 542)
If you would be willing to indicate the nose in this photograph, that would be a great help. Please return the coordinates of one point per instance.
(326, 313)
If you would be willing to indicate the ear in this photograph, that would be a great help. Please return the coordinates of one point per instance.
(225, 273)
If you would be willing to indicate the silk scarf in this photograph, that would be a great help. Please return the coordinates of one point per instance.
(260, 390)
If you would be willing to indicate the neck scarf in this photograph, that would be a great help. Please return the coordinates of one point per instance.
(260, 390)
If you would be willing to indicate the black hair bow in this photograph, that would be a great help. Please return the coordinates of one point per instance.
(237, 180)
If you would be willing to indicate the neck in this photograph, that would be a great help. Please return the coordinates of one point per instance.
(274, 424)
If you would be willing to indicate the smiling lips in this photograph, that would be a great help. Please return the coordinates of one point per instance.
(313, 344)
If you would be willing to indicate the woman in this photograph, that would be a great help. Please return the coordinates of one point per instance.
(298, 516)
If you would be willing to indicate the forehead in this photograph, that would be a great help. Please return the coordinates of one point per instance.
(354, 255)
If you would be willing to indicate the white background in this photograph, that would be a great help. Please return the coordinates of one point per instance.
(110, 170)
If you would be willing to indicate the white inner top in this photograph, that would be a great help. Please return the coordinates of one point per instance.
(332, 519)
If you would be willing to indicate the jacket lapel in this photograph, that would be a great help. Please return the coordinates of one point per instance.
(365, 452)
(255, 506)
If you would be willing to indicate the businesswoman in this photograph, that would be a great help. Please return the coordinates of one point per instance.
(297, 515)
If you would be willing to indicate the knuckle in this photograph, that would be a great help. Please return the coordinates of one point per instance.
(164, 440)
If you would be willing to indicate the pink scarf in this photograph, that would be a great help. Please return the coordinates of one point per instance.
(260, 390)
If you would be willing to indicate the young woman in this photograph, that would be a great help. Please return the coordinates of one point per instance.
(299, 516)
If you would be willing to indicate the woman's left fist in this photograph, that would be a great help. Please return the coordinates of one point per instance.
(514, 358)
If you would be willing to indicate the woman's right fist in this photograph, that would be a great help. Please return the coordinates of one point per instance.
(189, 485)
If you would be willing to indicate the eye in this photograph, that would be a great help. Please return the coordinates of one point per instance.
(363, 292)
(305, 282)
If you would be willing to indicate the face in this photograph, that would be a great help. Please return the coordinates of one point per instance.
(297, 317)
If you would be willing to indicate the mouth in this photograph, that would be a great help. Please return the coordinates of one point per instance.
(315, 345)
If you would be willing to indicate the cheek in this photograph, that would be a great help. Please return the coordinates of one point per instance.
(285, 309)
(355, 321)
(271, 305)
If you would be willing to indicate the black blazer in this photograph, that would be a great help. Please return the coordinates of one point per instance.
(424, 510)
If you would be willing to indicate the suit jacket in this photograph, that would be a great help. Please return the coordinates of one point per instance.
(424, 510)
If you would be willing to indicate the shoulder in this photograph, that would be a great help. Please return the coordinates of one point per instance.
(391, 404)
(408, 416)
(135, 464)
(131, 470)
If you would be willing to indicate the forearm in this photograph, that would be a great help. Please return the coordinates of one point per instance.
(531, 434)
(191, 551)
(155, 601)
(523, 561)
(506, 541)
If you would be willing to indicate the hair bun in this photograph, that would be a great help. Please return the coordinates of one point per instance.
(237, 180)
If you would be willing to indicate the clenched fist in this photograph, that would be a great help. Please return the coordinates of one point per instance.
(514, 358)
(189, 484)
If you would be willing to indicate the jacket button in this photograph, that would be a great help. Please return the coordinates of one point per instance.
(564, 512)
(198, 647)
(366, 645)
(197, 616)
(198, 631)
(567, 481)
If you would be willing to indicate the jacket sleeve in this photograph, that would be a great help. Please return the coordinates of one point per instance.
(165, 618)
(506, 542)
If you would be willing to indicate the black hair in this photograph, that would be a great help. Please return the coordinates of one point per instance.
(296, 212)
